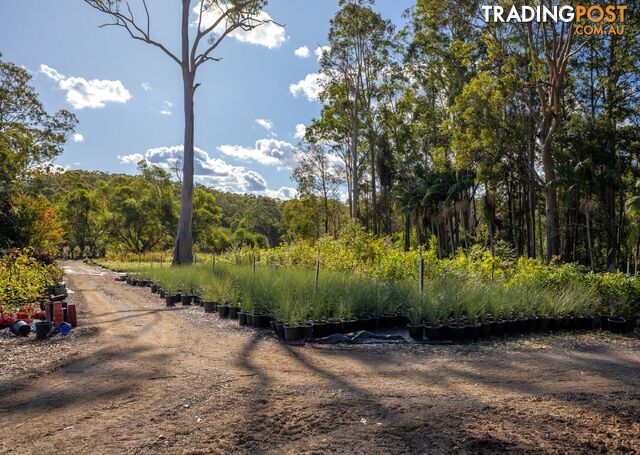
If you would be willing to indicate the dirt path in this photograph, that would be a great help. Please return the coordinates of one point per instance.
(153, 380)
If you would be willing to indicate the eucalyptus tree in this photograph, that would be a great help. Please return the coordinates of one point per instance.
(317, 174)
(549, 48)
(359, 49)
(216, 20)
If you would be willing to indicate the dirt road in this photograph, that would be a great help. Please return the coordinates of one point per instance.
(152, 380)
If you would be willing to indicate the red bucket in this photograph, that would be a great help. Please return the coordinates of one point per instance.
(72, 315)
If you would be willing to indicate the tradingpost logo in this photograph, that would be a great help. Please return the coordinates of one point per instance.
(586, 19)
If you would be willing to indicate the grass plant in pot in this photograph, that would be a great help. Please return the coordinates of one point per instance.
(416, 314)
(292, 313)
(453, 305)
(434, 328)
(475, 298)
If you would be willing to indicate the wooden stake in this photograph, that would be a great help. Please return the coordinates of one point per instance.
(317, 274)
(421, 275)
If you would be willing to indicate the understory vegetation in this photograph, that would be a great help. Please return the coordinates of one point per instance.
(359, 274)
(24, 278)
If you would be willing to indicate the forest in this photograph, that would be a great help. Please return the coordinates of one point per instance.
(522, 139)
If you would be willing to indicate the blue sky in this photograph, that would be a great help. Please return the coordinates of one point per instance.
(127, 95)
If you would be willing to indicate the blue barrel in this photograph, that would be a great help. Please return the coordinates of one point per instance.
(65, 328)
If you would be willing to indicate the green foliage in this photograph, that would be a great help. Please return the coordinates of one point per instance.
(23, 278)
(30, 137)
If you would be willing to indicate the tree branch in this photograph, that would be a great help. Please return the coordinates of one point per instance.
(128, 23)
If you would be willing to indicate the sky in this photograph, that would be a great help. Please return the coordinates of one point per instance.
(250, 109)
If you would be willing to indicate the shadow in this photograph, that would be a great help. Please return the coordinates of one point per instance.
(117, 368)
(440, 407)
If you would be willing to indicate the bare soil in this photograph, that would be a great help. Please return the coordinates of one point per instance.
(140, 378)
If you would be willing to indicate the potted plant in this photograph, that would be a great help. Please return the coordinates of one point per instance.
(416, 314)
(453, 301)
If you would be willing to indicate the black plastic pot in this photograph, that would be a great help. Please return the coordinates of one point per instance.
(292, 333)
(43, 330)
(233, 312)
(197, 301)
(435, 333)
(416, 331)
(242, 318)
(280, 329)
(522, 325)
(250, 317)
(568, 323)
(349, 325)
(485, 329)
(511, 327)
(498, 328)
(335, 327)
(170, 300)
(584, 323)
(616, 325)
(402, 320)
(389, 321)
(223, 311)
(306, 331)
(128, 281)
(162, 293)
(20, 329)
(186, 299)
(603, 322)
(364, 323)
(319, 329)
(261, 320)
(543, 324)
(154, 288)
(555, 324)
(456, 333)
(272, 324)
(210, 307)
(472, 332)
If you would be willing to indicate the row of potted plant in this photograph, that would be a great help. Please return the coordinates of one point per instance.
(293, 302)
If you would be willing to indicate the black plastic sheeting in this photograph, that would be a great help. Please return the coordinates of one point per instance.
(361, 337)
(364, 337)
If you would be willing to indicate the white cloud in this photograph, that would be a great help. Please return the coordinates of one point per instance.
(270, 152)
(146, 86)
(269, 34)
(300, 131)
(82, 93)
(302, 52)
(212, 172)
(51, 73)
(265, 123)
(134, 158)
(320, 51)
(285, 193)
(50, 168)
(310, 86)
(78, 137)
(166, 110)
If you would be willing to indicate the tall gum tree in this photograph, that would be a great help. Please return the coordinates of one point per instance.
(359, 50)
(223, 17)
(550, 47)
